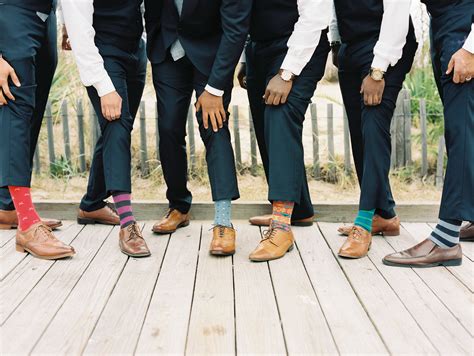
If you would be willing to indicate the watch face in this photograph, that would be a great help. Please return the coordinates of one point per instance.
(286, 75)
(376, 75)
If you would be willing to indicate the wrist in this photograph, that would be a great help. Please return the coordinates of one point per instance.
(376, 74)
(286, 75)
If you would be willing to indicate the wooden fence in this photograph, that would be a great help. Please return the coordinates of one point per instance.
(401, 135)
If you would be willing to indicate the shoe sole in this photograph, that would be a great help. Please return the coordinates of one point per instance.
(163, 232)
(221, 253)
(302, 224)
(387, 233)
(355, 257)
(450, 263)
(136, 255)
(85, 221)
(467, 239)
(57, 257)
(273, 258)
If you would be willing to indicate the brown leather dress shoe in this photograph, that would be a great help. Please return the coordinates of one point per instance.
(380, 226)
(9, 220)
(223, 241)
(467, 232)
(425, 254)
(275, 244)
(266, 220)
(173, 220)
(106, 216)
(357, 244)
(40, 242)
(132, 243)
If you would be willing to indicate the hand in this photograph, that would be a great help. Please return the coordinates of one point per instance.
(65, 43)
(462, 62)
(7, 71)
(372, 90)
(335, 52)
(242, 75)
(111, 106)
(212, 110)
(277, 91)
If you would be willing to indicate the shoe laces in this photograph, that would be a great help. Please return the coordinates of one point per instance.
(168, 213)
(221, 230)
(43, 233)
(356, 233)
(268, 235)
(134, 232)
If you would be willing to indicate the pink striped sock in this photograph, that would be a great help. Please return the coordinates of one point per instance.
(123, 204)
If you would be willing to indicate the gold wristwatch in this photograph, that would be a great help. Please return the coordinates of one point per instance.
(286, 75)
(376, 74)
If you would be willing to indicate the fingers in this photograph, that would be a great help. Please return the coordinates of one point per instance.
(14, 77)
(3, 101)
(7, 92)
(205, 119)
(450, 66)
(198, 106)
(212, 118)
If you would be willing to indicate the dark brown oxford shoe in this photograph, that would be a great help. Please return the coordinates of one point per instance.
(380, 226)
(425, 254)
(132, 243)
(9, 220)
(106, 216)
(266, 220)
(173, 220)
(467, 232)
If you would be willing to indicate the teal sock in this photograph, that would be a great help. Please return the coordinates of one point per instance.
(223, 211)
(364, 219)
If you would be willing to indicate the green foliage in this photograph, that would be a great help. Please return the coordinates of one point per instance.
(62, 168)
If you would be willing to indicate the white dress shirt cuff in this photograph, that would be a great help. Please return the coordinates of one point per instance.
(293, 64)
(104, 87)
(214, 91)
(469, 44)
(380, 63)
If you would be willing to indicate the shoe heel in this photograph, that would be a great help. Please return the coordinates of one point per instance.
(292, 246)
(20, 248)
(6, 227)
(392, 233)
(451, 263)
(85, 221)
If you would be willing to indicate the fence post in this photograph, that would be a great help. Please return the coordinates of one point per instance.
(192, 141)
(49, 123)
(93, 128)
(314, 125)
(347, 144)
(253, 145)
(424, 138)
(65, 120)
(399, 118)
(237, 148)
(80, 136)
(407, 126)
(37, 161)
(143, 145)
(157, 134)
(331, 155)
(440, 163)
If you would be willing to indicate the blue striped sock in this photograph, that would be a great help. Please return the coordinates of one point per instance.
(223, 212)
(364, 219)
(446, 233)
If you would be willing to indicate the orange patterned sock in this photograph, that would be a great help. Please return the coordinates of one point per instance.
(282, 211)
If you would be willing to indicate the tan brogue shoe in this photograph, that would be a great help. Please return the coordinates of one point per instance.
(467, 232)
(357, 244)
(425, 254)
(106, 216)
(275, 244)
(9, 220)
(132, 243)
(380, 226)
(223, 241)
(173, 220)
(266, 220)
(40, 242)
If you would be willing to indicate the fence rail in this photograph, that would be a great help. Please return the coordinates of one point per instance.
(401, 140)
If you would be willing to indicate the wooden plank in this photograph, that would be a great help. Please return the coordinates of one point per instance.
(338, 300)
(331, 151)
(16, 286)
(166, 323)
(424, 138)
(80, 136)
(440, 164)
(30, 319)
(399, 123)
(258, 328)
(237, 146)
(143, 145)
(465, 272)
(49, 124)
(304, 324)
(119, 327)
(66, 137)
(6, 236)
(441, 327)
(397, 327)
(315, 135)
(211, 326)
(452, 292)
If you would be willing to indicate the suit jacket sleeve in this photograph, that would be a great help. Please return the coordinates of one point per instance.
(152, 21)
(235, 18)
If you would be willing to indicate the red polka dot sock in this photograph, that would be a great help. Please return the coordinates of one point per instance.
(25, 210)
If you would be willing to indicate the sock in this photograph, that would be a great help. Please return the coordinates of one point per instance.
(25, 210)
(123, 204)
(446, 233)
(364, 219)
(223, 212)
(281, 217)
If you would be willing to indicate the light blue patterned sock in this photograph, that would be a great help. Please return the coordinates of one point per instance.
(223, 212)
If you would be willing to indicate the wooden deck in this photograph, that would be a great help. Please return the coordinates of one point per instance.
(184, 301)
